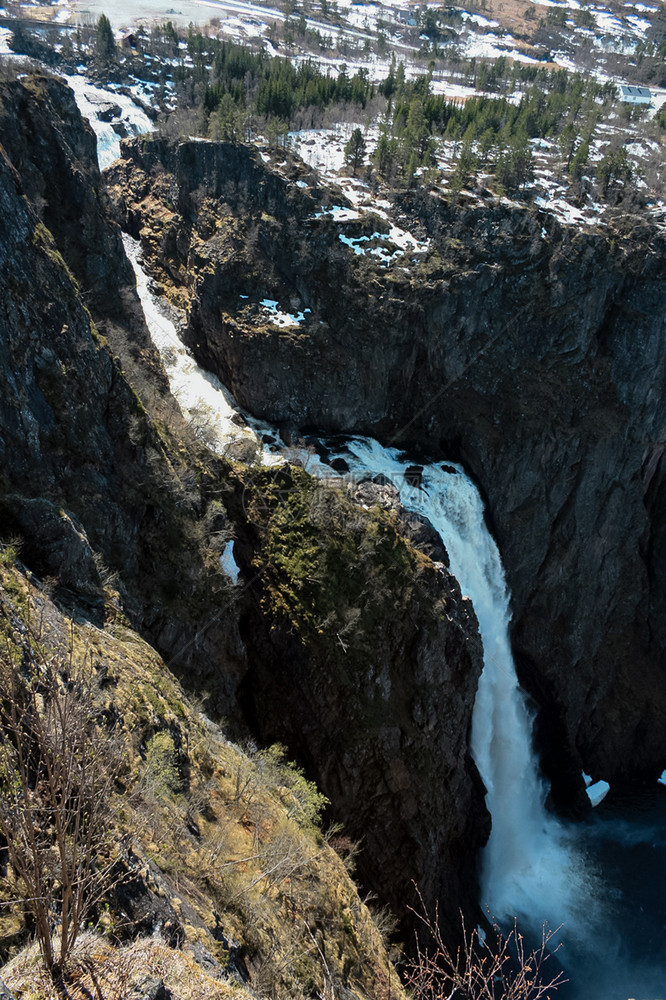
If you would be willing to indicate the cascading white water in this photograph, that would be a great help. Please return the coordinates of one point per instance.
(526, 862)
(529, 868)
(201, 396)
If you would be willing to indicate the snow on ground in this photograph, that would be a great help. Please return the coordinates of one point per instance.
(91, 100)
(339, 214)
(607, 22)
(658, 99)
(228, 562)
(322, 148)
(122, 13)
(377, 67)
(388, 246)
(457, 91)
(639, 23)
(492, 46)
(569, 214)
(278, 317)
(483, 22)
(570, 4)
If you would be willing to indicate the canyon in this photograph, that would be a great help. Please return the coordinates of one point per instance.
(530, 352)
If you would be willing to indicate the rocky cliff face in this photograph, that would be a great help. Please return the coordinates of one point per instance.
(189, 829)
(533, 353)
(54, 151)
(364, 660)
(94, 484)
(128, 514)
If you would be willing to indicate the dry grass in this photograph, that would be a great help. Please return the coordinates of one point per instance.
(230, 845)
(99, 970)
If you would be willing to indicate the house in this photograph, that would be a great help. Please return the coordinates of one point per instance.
(635, 95)
(128, 39)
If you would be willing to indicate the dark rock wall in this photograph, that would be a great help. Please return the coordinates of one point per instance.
(109, 493)
(95, 487)
(364, 660)
(54, 151)
(532, 352)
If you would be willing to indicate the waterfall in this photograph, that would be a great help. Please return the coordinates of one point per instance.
(532, 866)
(528, 867)
(203, 399)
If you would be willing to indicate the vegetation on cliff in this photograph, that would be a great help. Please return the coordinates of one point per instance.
(225, 90)
(211, 869)
(332, 571)
(504, 318)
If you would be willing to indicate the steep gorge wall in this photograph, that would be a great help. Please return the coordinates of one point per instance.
(127, 513)
(533, 353)
(90, 481)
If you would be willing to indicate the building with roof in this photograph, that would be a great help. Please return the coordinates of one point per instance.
(635, 95)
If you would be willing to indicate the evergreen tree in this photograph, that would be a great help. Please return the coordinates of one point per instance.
(355, 150)
(579, 160)
(105, 46)
(614, 169)
(466, 166)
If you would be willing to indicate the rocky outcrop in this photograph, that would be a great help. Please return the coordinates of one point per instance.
(364, 660)
(533, 353)
(54, 152)
(208, 889)
(87, 478)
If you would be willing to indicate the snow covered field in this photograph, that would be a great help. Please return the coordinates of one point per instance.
(616, 27)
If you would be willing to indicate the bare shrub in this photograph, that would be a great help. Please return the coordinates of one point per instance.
(497, 969)
(56, 774)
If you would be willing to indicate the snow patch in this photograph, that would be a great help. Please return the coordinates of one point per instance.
(5, 35)
(228, 563)
(280, 318)
(339, 214)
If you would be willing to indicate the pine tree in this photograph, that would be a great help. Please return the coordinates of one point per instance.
(105, 46)
(355, 150)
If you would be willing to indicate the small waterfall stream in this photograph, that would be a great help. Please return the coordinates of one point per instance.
(532, 865)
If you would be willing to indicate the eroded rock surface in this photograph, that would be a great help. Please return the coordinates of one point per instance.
(533, 353)
(113, 499)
